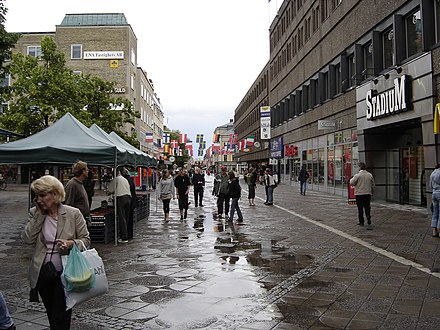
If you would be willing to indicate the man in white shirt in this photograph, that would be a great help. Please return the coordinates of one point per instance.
(121, 189)
(363, 183)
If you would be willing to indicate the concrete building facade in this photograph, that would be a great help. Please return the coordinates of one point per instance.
(350, 81)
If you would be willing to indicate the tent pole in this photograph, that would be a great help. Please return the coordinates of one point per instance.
(115, 198)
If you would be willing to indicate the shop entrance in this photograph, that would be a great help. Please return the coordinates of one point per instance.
(406, 176)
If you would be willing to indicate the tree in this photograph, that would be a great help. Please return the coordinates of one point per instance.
(7, 42)
(44, 89)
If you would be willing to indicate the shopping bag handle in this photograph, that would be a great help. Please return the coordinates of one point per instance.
(83, 247)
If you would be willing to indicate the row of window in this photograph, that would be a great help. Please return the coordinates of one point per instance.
(318, 13)
(359, 63)
(253, 95)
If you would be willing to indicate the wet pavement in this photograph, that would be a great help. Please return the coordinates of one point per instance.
(303, 263)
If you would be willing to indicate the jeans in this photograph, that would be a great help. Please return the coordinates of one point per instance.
(303, 187)
(269, 194)
(223, 199)
(234, 206)
(363, 202)
(435, 223)
(5, 317)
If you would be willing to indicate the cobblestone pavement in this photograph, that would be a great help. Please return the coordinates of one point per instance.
(303, 263)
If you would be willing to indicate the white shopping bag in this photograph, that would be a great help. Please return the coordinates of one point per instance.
(101, 287)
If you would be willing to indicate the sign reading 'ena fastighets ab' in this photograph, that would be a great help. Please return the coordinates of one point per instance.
(389, 102)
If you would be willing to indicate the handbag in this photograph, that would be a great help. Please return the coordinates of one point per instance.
(101, 284)
(78, 273)
(48, 272)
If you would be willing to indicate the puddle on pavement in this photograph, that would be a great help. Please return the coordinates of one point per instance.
(286, 264)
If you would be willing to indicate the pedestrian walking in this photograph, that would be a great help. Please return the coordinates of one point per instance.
(166, 192)
(53, 228)
(270, 184)
(89, 186)
(363, 183)
(6, 322)
(303, 176)
(434, 183)
(120, 187)
(234, 194)
(133, 202)
(182, 184)
(221, 191)
(251, 181)
(76, 194)
(198, 181)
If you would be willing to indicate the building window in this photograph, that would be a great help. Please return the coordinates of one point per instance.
(388, 48)
(6, 81)
(336, 3)
(133, 57)
(324, 10)
(367, 57)
(132, 82)
(34, 51)
(338, 81)
(351, 70)
(76, 52)
(4, 107)
(326, 87)
(413, 25)
(437, 20)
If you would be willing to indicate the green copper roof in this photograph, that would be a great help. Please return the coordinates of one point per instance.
(94, 19)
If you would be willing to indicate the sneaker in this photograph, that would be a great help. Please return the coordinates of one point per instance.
(124, 241)
(201, 205)
(269, 203)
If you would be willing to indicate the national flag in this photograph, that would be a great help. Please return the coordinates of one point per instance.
(166, 138)
(166, 148)
(199, 138)
(250, 141)
(216, 138)
(182, 138)
(216, 148)
(233, 138)
(202, 145)
(171, 151)
(200, 153)
(174, 144)
(149, 137)
(189, 148)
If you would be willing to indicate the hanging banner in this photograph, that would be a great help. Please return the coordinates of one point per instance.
(265, 122)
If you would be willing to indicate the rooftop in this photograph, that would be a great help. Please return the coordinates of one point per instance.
(94, 19)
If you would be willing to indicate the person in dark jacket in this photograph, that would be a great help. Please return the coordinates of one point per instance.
(182, 184)
(251, 180)
(89, 186)
(303, 176)
(198, 181)
(234, 194)
(134, 202)
(221, 191)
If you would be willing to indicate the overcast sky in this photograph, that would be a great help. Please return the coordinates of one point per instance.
(202, 55)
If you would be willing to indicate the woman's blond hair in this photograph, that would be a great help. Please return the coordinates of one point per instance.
(49, 184)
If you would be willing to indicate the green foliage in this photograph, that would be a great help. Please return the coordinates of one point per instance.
(7, 42)
(44, 90)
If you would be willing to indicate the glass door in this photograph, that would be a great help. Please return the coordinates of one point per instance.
(392, 176)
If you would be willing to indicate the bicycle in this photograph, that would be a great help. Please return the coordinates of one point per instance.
(3, 184)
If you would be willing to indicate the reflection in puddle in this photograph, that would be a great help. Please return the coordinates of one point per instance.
(286, 264)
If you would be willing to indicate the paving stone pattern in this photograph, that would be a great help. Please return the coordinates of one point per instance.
(303, 263)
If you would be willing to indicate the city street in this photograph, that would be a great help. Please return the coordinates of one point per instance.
(302, 263)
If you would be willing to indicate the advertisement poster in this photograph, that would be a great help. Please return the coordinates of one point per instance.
(265, 122)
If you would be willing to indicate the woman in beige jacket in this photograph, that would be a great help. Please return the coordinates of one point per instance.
(53, 228)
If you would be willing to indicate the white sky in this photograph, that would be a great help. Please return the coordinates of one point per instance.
(202, 55)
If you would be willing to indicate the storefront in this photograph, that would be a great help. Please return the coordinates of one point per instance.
(395, 131)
